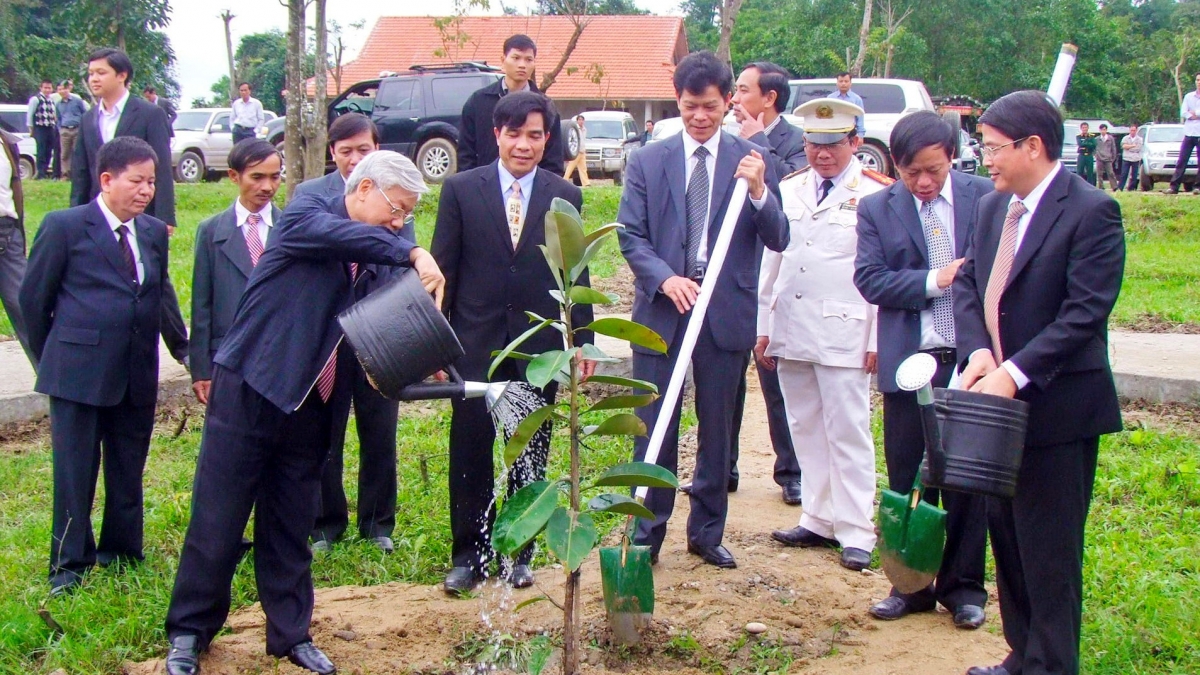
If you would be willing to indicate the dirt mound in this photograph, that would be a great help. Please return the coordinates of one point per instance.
(815, 611)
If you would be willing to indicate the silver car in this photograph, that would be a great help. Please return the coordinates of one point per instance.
(1160, 154)
(202, 141)
(12, 120)
(611, 135)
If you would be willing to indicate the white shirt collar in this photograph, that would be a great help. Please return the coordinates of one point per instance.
(838, 180)
(118, 108)
(690, 144)
(111, 218)
(1035, 195)
(507, 179)
(771, 127)
(243, 213)
(947, 193)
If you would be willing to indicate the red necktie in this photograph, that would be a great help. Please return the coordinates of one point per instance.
(325, 379)
(253, 241)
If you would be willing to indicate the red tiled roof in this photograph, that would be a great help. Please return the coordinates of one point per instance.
(637, 54)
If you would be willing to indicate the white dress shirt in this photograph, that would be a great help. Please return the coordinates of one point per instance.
(689, 156)
(264, 225)
(247, 113)
(8, 206)
(1191, 104)
(1031, 202)
(108, 119)
(131, 236)
(943, 208)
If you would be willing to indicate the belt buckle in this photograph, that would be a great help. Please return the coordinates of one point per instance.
(698, 275)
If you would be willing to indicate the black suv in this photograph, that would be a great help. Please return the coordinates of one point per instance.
(417, 112)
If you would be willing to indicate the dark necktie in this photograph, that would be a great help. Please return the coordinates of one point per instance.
(127, 254)
(697, 211)
(941, 253)
(823, 191)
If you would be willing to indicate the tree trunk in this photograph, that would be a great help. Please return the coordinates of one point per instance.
(863, 33)
(729, 12)
(294, 130)
(227, 16)
(548, 79)
(570, 625)
(120, 22)
(318, 129)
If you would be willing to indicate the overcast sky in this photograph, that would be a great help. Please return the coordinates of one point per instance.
(197, 33)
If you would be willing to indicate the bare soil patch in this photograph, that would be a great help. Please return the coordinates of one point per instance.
(1153, 323)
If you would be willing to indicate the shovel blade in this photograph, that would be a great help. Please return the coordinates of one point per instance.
(628, 584)
(911, 540)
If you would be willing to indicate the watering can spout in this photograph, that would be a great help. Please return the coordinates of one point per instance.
(455, 387)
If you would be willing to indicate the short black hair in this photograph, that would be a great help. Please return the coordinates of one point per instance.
(116, 59)
(250, 152)
(773, 77)
(701, 70)
(521, 43)
(123, 152)
(48, 81)
(1103, 125)
(351, 125)
(917, 131)
(244, 84)
(1027, 113)
(1084, 124)
(149, 89)
(515, 108)
(66, 83)
(844, 73)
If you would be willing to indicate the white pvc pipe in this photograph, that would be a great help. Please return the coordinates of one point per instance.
(715, 262)
(1062, 73)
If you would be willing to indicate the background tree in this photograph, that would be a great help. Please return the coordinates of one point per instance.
(578, 12)
(316, 124)
(294, 67)
(226, 18)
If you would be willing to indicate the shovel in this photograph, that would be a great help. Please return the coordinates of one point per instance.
(625, 570)
(912, 531)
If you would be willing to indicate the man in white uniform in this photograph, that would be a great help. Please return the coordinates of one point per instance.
(819, 332)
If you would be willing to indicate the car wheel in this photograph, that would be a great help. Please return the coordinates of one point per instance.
(27, 168)
(437, 160)
(1146, 181)
(190, 168)
(570, 132)
(875, 158)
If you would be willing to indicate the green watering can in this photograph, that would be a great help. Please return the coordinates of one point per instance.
(913, 531)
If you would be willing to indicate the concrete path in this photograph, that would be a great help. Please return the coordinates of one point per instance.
(1157, 367)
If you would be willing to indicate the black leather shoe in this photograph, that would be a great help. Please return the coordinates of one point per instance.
(987, 670)
(520, 577)
(855, 559)
(461, 580)
(969, 617)
(383, 544)
(799, 536)
(686, 488)
(791, 493)
(184, 656)
(732, 485)
(718, 555)
(897, 607)
(306, 655)
(64, 583)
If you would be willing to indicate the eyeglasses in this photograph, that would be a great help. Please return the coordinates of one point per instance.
(827, 147)
(990, 152)
(397, 212)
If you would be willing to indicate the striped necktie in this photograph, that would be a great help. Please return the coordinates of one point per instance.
(254, 242)
(998, 279)
(329, 370)
(941, 253)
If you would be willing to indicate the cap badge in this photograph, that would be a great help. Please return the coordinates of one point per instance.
(824, 112)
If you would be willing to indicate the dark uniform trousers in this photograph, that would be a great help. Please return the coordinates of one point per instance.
(472, 486)
(252, 454)
(960, 579)
(787, 467)
(375, 416)
(82, 437)
(716, 373)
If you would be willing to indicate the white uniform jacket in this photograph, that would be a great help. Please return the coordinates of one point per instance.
(807, 303)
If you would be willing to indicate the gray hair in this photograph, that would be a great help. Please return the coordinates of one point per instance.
(387, 169)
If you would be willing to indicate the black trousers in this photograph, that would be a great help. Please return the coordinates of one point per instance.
(242, 134)
(1129, 175)
(787, 468)
(716, 373)
(47, 146)
(252, 454)
(472, 470)
(376, 417)
(1189, 145)
(82, 437)
(960, 579)
(1037, 540)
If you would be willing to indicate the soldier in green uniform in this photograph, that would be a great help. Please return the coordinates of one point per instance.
(1085, 165)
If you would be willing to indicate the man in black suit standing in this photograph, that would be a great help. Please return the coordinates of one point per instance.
(760, 97)
(476, 146)
(911, 241)
(91, 300)
(119, 113)
(275, 387)
(489, 227)
(151, 94)
(676, 194)
(1031, 306)
(352, 137)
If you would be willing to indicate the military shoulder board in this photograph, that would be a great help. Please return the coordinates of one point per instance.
(878, 177)
(794, 173)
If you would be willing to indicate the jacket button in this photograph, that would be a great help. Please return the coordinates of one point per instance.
(513, 269)
(509, 307)
(808, 243)
(816, 215)
(803, 269)
(799, 295)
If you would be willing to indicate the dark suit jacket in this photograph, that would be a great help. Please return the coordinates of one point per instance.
(477, 143)
(654, 238)
(1054, 311)
(222, 268)
(893, 263)
(169, 109)
(489, 287)
(277, 344)
(144, 120)
(94, 334)
(785, 148)
(332, 185)
(9, 142)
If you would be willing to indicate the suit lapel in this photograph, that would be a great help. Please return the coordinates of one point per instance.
(539, 205)
(494, 200)
(903, 205)
(1048, 210)
(128, 114)
(233, 242)
(106, 241)
(151, 265)
(965, 201)
(674, 166)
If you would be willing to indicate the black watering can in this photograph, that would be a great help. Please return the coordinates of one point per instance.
(401, 338)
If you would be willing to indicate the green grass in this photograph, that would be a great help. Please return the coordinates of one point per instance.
(1162, 278)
